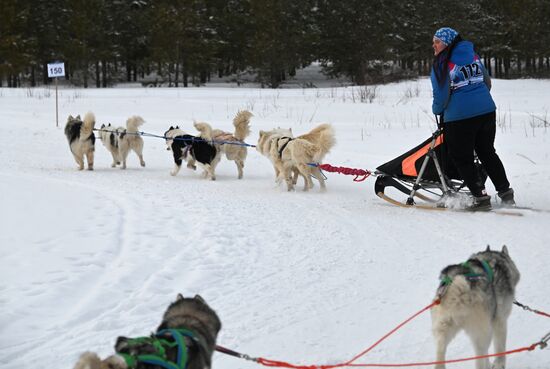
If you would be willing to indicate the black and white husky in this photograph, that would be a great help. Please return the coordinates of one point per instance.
(476, 296)
(193, 149)
(119, 141)
(80, 134)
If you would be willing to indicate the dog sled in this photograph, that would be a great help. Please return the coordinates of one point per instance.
(424, 174)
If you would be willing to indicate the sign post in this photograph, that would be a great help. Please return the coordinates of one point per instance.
(55, 70)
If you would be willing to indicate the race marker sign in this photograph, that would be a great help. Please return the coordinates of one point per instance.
(56, 70)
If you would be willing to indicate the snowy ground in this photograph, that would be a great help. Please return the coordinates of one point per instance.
(309, 278)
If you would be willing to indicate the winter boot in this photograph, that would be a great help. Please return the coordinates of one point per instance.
(481, 203)
(507, 197)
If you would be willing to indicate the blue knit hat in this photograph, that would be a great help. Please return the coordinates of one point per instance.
(446, 34)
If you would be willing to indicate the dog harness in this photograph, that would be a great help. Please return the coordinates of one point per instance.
(157, 346)
(284, 145)
(470, 275)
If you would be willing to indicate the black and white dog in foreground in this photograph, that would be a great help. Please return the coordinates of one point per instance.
(186, 338)
(80, 134)
(193, 149)
(476, 296)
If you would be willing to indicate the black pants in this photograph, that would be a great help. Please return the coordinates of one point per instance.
(477, 133)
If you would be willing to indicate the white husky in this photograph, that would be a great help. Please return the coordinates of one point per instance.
(230, 147)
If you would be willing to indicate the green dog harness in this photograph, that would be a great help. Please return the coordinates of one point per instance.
(160, 343)
(469, 275)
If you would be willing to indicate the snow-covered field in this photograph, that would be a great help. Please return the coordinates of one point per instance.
(304, 277)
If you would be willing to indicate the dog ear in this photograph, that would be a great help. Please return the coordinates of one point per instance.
(103, 126)
(70, 117)
(488, 248)
(290, 130)
(505, 250)
(179, 297)
(109, 124)
(177, 127)
(199, 298)
(170, 128)
(78, 117)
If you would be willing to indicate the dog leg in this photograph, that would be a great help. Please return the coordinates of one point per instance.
(240, 166)
(90, 159)
(115, 160)
(80, 161)
(295, 174)
(480, 333)
(304, 170)
(499, 335)
(317, 174)
(443, 332)
(140, 156)
(176, 169)
(191, 164)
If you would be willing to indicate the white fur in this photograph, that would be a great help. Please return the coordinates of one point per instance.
(236, 153)
(293, 155)
(131, 141)
(90, 360)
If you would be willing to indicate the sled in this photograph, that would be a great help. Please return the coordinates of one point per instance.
(423, 173)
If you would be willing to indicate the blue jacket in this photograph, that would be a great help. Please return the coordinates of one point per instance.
(465, 91)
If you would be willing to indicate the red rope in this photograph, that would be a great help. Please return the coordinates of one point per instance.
(347, 171)
(282, 364)
(542, 313)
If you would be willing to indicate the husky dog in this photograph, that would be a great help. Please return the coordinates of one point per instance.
(270, 138)
(476, 296)
(119, 141)
(193, 149)
(128, 139)
(290, 155)
(80, 135)
(237, 153)
(109, 137)
(192, 314)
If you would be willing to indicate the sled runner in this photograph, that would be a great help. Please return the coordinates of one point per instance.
(423, 173)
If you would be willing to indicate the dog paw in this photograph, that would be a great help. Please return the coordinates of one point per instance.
(172, 173)
(142, 163)
(113, 165)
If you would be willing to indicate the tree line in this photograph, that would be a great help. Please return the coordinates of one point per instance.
(185, 42)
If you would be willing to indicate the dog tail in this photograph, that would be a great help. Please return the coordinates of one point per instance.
(241, 123)
(324, 142)
(133, 123)
(204, 129)
(87, 127)
(90, 360)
